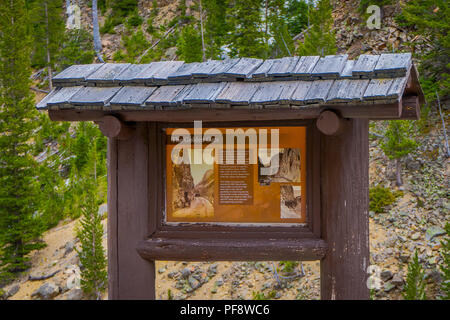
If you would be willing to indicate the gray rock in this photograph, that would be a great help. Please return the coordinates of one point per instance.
(219, 282)
(277, 295)
(415, 236)
(388, 286)
(10, 292)
(386, 275)
(68, 247)
(434, 232)
(193, 283)
(434, 275)
(185, 273)
(161, 270)
(397, 280)
(47, 291)
(74, 294)
(172, 275)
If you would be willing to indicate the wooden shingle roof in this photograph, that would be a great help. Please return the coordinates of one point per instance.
(301, 83)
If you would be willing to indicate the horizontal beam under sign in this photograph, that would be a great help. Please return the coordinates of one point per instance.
(232, 249)
(365, 111)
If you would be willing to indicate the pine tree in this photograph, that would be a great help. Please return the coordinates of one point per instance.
(190, 45)
(215, 27)
(428, 19)
(19, 228)
(415, 281)
(92, 254)
(319, 38)
(445, 267)
(397, 144)
(48, 27)
(282, 44)
(247, 36)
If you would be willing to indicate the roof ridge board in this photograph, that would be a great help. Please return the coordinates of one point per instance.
(330, 66)
(110, 70)
(184, 72)
(263, 69)
(207, 68)
(238, 69)
(365, 65)
(149, 75)
(284, 66)
(387, 63)
(89, 69)
(305, 66)
(135, 69)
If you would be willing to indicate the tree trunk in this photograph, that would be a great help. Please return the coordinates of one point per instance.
(201, 28)
(49, 66)
(97, 40)
(398, 171)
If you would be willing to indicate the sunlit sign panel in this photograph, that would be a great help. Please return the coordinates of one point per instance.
(236, 175)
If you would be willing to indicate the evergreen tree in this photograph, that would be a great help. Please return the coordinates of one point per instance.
(319, 38)
(190, 45)
(92, 254)
(428, 19)
(415, 281)
(296, 16)
(19, 228)
(215, 27)
(247, 36)
(282, 44)
(397, 144)
(47, 29)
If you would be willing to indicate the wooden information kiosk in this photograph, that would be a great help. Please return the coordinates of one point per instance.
(191, 175)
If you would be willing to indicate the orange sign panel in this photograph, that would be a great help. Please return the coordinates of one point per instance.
(229, 175)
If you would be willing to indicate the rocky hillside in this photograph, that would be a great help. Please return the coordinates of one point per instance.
(414, 221)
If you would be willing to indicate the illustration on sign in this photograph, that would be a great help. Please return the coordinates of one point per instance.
(249, 175)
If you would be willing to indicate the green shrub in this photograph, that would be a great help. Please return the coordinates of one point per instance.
(288, 266)
(135, 20)
(380, 197)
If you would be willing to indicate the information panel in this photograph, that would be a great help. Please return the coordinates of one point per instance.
(236, 175)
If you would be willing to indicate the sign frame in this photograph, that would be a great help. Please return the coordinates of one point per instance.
(244, 231)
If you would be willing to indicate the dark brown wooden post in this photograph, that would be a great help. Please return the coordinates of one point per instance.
(130, 276)
(344, 204)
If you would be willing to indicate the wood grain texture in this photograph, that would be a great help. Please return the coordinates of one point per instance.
(62, 96)
(106, 73)
(76, 73)
(330, 67)
(395, 64)
(94, 96)
(305, 66)
(365, 65)
(132, 96)
(136, 277)
(345, 209)
(230, 249)
(377, 89)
